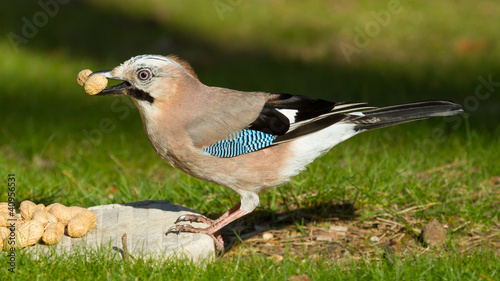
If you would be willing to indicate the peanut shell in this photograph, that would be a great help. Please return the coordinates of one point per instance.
(17, 220)
(28, 234)
(3, 220)
(95, 84)
(4, 233)
(53, 233)
(4, 208)
(47, 208)
(27, 208)
(41, 206)
(82, 76)
(41, 216)
(82, 224)
(51, 217)
(65, 214)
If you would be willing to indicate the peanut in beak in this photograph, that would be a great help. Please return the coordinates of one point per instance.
(93, 84)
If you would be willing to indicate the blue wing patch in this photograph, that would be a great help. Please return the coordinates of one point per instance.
(244, 142)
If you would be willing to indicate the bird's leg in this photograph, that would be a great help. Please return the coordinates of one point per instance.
(249, 201)
(203, 219)
(213, 230)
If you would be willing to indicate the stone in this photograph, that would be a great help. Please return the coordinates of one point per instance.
(434, 233)
(145, 224)
(340, 229)
(267, 236)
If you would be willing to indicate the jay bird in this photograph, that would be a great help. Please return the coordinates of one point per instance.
(245, 141)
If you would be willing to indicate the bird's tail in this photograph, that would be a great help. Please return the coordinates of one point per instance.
(397, 114)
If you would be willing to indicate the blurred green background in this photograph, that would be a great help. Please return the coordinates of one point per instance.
(401, 51)
(68, 147)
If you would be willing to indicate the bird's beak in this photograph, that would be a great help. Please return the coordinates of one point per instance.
(119, 89)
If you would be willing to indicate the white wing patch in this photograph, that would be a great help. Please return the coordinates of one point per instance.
(341, 108)
(289, 113)
(357, 113)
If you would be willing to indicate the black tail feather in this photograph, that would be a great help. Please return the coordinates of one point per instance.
(397, 114)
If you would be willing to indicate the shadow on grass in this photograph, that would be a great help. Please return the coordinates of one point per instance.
(261, 221)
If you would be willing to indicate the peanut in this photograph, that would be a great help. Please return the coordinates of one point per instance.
(41, 216)
(82, 76)
(47, 209)
(3, 220)
(28, 234)
(8, 220)
(65, 214)
(51, 217)
(33, 218)
(4, 233)
(53, 233)
(19, 219)
(95, 84)
(8, 213)
(82, 224)
(5, 214)
(4, 208)
(27, 208)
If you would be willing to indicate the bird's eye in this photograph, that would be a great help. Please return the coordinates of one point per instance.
(144, 74)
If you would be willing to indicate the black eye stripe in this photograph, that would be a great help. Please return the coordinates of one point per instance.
(140, 95)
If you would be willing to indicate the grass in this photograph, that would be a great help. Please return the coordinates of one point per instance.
(424, 267)
(444, 169)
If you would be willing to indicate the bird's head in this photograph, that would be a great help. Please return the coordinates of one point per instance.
(147, 78)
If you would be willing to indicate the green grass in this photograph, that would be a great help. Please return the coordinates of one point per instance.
(448, 266)
(428, 51)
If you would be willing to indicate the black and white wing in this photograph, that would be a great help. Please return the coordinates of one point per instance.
(288, 117)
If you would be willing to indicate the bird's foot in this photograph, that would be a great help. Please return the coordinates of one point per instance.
(194, 218)
(214, 226)
(215, 234)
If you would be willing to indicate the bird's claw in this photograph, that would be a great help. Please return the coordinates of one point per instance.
(181, 218)
(219, 243)
(176, 228)
(194, 218)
